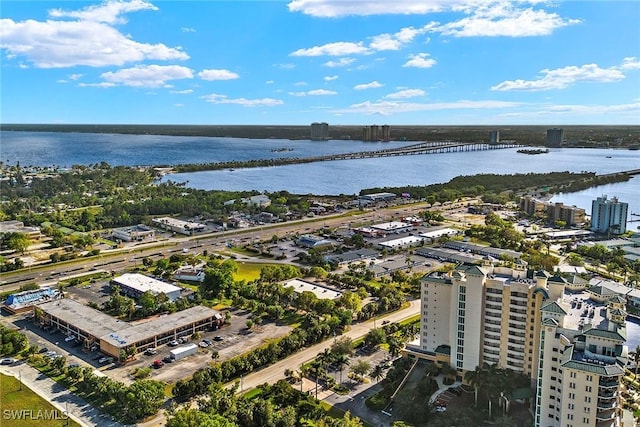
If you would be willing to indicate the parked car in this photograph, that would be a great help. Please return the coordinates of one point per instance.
(150, 351)
(43, 350)
(157, 364)
(173, 343)
(203, 344)
(167, 359)
(218, 338)
(69, 338)
(103, 360)
(7, 361)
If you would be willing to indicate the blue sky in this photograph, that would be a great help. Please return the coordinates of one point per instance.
(351, 62)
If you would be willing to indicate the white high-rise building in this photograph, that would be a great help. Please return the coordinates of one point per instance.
(609, 216)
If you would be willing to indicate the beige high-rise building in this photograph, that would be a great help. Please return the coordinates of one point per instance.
(570, 345)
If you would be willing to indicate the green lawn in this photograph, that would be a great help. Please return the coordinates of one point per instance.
(24, 408)
(248, 270)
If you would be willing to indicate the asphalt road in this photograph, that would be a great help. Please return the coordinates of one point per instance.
(122, 258)
(275, 372)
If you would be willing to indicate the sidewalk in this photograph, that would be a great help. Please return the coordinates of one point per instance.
(61, 398)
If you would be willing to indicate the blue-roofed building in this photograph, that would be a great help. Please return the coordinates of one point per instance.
(22, 302)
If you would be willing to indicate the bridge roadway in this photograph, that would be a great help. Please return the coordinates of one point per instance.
(421, 148)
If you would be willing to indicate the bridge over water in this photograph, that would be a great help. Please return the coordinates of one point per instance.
(421, 148)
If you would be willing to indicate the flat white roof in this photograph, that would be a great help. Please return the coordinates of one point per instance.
(437, 233)
(319, 291)
(403, 241)
(390, 226)
(178, 223)
(144, 283)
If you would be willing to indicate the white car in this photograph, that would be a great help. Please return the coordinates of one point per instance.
(69, 338)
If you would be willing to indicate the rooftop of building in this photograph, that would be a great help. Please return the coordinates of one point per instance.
(573, 358)
(582, 310)
(434, 234)
(319, 291)
(31, 297)
(403, 241)
(94, 322)
(144, 283)
(392, 226)
(174, 222)
(495, 252)
(351, 256)
(158, 326)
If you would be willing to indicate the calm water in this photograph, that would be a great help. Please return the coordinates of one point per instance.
(337, 177)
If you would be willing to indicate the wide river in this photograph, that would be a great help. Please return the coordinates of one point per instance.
(335, 177)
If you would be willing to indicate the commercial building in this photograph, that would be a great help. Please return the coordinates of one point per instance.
(183, 227)
(95, 329)
(568, 341)
(401, 243)
(555, 137)
(260, 200)
(378, 197)
(346, 258)
(312, 241)
(609, 216)
(137, 232)
(134, 285)
(319, 131)
(24, 301)
(393, 227)
(189, 274)
(32, 233)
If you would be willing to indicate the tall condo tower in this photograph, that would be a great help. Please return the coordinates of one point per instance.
(319, 131)
(555, 137)
(609, 216)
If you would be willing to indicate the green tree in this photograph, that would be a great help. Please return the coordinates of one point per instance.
(15, 241)
(361, 368)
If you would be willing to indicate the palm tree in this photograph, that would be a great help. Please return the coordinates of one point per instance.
(395, 346)
(636, 359)
(341, 360)
(377, 373)
(325, 358)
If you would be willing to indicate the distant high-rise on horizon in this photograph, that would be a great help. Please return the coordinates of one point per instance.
(494, 137)
(609, 216)
(555, 137)
(319, 131)
(376, 133)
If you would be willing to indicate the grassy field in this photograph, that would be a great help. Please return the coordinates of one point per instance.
(249, 271)
(24, 408)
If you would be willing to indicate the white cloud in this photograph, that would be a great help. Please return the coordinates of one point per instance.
(330, 78)
(500, 18)
(630, 63)
(374, 84)
(90, 40)
(300, 84)
(188, 30)
(342, 62)
(315, 92)
(101, 84)
(182, 92)
(485, 17)
(561, 78)
(391, 107)
(108, 12)
(70, 78)
(593, 109)
(337, 8)
(148, 75)
(420, 60)
(406, 93)
(223, 99)
(217, 75)
(178, 105)
(333, 49)
(269, 82)
(286, 66)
